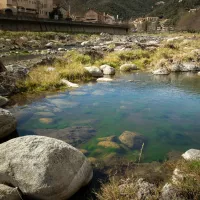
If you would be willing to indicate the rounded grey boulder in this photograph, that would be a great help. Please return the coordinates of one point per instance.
(94, 71)
(43, 168)
(8, 123)
(3, 101)
(107, 70)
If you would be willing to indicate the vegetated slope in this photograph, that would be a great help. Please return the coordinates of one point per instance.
(125, 9)
(189, 22)
(174, 9)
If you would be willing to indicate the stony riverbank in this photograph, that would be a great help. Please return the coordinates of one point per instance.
(98, 59)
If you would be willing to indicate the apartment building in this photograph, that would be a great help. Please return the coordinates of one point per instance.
(37, 8)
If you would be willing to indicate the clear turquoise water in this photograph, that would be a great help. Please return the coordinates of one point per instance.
(165, 109)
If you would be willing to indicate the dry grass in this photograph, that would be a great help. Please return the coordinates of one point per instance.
(112, 191)
(189, 187)
(71, 67)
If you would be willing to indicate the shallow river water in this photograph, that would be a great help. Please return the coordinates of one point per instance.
(164, 109)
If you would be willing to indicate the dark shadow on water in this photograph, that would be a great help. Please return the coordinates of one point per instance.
(88, 192)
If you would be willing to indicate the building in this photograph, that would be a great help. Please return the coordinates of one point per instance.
(148, 24)
(94, 17)
(33, 8)
(109, 19)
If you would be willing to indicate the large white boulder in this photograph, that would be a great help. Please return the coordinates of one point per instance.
(128, 67)
(43, 168)
(9, 193)
(107, 70)
(8, 123)
(161, 71)
(192, 154)
(94, 71)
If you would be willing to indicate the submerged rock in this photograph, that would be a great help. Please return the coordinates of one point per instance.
(8, 123)
(3, 101)
(73, 135)
(128, 67)
(161, 71)
(107, 70)
(8, 193)
(109, 144)
(132, 140)
(43, 168)
(94, 71)
(192, 154)
(46, 120)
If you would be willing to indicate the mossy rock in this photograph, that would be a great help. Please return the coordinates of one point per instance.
(112, 138)
(132, 140)
(109, 144)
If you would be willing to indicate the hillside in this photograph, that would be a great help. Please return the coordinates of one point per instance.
(174, 9)
(126, 9)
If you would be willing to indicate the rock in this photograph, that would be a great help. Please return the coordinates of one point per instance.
(8, 193)
(132, 140)
(161, 71)
(3, 101)
(23, 39)
(177, 176)
(198, 73)
(140, 189)
(109, 144)
(107, 70)
(169, 192)
(69, 84)
(9, 68)
(46, 120)
(86, 43)
(2, 67)
(109, 138)
(94, 71)
(8, 123)
(43, 168)
(145, 190)
(73, 135)
(192, 154)
(61, 49)
(49, 45)
(175, 67)
(50, 69)
(187, 67)
(104, 80)
(128, 67)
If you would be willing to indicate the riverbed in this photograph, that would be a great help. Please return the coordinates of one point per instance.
(163, 109)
